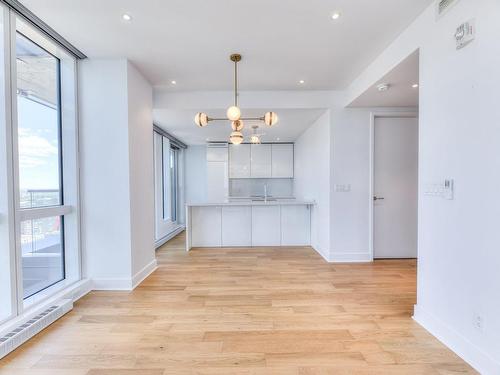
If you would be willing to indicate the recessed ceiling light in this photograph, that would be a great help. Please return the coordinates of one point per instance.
(173, 82)
(302, 81)
(126, 17)
(277, 139)
(335, 15)
(415, 85)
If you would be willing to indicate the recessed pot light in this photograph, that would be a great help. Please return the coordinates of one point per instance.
(415, 85)
(173, 82)
(335, 15)
(126, 17)
(302, 81)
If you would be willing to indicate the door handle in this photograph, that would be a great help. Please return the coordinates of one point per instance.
(378, 198)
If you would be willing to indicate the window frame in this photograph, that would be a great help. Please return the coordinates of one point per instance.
(69, 207)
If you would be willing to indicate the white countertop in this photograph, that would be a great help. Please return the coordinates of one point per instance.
(249, 202)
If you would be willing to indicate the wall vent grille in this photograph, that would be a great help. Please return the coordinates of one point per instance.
(22, 333)
(217, 145)
(444, 5)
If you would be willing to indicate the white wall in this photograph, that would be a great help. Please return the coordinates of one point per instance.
(140, 128)
(196, 173)
(312, 179)
(350, 141)
(116, 178)
(459, 260)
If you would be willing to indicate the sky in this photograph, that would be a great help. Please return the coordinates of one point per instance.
(38, 145)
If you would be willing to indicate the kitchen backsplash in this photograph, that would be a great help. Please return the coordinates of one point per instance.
(247, 187)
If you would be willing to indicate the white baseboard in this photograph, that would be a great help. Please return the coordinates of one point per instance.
(350, 257)
(125, 283)
(324, 256)
(147, 270)
(469, 352)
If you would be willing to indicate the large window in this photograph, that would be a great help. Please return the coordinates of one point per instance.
(39, 242)
(40, 160)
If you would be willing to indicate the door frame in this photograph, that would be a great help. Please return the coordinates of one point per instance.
(371, 190)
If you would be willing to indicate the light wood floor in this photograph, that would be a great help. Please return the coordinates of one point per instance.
(245, 311)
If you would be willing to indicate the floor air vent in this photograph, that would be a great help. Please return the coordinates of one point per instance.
(30, 328)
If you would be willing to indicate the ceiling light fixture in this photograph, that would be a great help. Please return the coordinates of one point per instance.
(302, 81)
(174, 82)
(126, 17)
(255, 137)
(415, 85)
(234, 112)
(335, 15)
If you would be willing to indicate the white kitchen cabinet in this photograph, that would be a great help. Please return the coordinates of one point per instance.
(217, 181)
(261, 161)
(295, 225)
(236, 224)
(266, 226)
(282, 160)
(217, 153)
(206, 226)
(239, 161)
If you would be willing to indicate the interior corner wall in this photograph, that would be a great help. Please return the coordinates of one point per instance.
(104, 174)
(140, 128)
(312, 179)
(112, 133)
(459, 121)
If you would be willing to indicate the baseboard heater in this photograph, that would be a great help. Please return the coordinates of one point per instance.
(19, 335)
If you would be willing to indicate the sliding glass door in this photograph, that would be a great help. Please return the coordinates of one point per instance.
(39, 230)
(168, 165)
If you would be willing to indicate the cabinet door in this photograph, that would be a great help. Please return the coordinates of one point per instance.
(206, 226)
(282, 161)
(236, 226)
(239, 161)
(261, 161)
(266, 226)
(217, 181)
(217, 154)
(295, 225)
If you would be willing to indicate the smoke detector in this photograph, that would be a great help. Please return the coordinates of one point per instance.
(383, 87)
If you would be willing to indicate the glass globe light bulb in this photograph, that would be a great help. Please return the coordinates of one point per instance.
(233, 113)
(237, 125)
(271, 118)
(236, 138)
(201, 119)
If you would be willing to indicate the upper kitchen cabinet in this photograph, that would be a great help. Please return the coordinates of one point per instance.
(261, 160)
(282, 160)
(239, 161)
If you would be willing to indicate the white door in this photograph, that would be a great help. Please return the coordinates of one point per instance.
(395, 188)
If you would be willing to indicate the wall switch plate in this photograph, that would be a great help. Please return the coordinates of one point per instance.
(346, 188)
(444, 190)
(478, 322)
(465, 33)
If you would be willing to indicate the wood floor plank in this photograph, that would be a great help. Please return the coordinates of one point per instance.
(245, 311)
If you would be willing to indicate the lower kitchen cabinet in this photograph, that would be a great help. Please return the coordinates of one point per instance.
(295, 225)
(266, 226)
(206, 226)
(236, 224)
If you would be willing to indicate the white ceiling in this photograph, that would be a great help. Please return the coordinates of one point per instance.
(292, 123)
(400, 92)
(189, 41)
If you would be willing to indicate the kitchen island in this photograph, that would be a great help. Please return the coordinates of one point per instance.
(249, 223)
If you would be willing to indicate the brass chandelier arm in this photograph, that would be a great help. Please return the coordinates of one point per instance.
(243, 119)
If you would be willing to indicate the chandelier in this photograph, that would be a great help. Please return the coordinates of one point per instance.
(234, 113)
